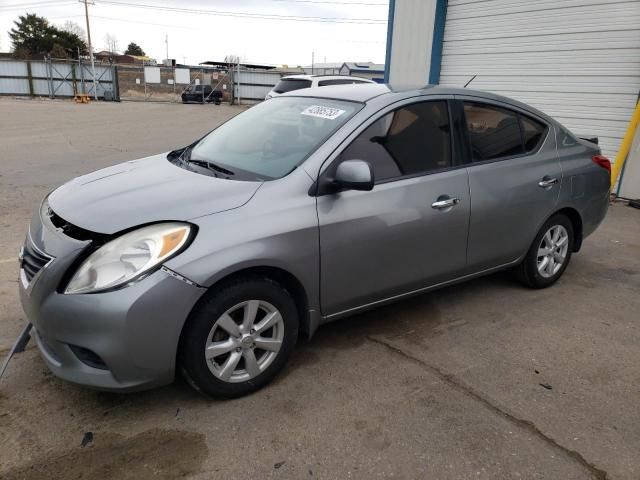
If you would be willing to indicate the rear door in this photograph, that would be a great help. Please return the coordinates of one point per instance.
(514, 180)
(410, 231)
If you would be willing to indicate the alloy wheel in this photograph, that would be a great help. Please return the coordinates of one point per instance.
(552, 251)
(244, 341)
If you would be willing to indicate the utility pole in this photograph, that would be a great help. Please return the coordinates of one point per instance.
(93, 66)
(166, 42)
(238, 82)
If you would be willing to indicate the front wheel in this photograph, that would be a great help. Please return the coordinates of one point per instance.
(549, 254)
(239, 337)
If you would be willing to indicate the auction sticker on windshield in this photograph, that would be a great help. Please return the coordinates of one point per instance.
(319, 111)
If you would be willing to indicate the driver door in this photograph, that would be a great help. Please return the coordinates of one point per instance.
(410, 231)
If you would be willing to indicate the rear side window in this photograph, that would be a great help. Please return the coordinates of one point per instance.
(532, 132)
(339, 81)
(493, 132)
(326, 83)
(289, 85)
(412, 140)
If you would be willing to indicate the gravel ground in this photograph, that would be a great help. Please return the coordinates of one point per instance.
(446, 385)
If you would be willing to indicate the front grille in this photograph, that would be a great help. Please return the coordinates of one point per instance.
(33, 260)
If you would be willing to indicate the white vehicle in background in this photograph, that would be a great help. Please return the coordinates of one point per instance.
(297, 82)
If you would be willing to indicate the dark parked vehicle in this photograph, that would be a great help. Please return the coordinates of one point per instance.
(213, 259)
(201, 94)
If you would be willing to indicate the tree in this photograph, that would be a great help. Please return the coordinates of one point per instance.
(34, 35)
(112, 43)
(134, 49)
(73, 27)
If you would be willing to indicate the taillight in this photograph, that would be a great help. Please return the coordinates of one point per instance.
(603, 162)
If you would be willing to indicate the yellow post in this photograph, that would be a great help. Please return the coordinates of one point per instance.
(626, 145)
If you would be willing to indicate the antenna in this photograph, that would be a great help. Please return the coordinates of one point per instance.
(472, 79)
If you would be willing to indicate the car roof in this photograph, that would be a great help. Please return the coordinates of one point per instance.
(364, 93)
(322, 77)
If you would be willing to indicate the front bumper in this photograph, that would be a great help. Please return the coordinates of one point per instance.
(133, 331)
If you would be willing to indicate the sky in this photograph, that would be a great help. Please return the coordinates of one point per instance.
(201, 30)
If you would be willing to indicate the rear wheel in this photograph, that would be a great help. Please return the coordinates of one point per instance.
(549, 254)
(239, 338)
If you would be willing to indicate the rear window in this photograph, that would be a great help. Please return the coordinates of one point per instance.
(289, 85)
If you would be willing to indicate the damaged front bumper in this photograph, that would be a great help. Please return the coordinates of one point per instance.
(121, 340)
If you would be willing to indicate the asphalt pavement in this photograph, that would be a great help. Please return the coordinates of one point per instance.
(484, 380)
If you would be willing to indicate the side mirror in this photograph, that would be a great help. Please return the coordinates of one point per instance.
(354, 175)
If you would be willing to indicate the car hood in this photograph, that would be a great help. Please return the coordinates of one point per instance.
(141, 191)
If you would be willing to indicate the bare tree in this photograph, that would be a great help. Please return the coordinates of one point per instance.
(111, 42)
(73, 27)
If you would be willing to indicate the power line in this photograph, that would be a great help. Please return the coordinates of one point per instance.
(265, 16)
(146, 23)
(191, 27)
(41, 4)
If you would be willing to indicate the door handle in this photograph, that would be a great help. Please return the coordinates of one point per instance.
(445, 203)
(547, 182)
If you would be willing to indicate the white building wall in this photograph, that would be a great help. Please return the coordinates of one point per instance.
(411, 41)
(576, 61)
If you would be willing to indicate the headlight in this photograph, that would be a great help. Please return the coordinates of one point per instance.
(129, 256)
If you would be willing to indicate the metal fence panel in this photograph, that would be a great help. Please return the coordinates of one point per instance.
(39, 69)
(62, 88)
(60, 70)
(41, 87)
(58, 78)
(13, 69)
(259, 78)
(252, 93)
(254, 85)
(15, 86)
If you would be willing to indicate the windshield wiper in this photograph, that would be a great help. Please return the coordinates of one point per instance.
(185, 159)
(211, 166)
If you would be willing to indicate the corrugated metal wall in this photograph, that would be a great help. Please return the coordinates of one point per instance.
(254, 85)
(53, 79)
(577, 62)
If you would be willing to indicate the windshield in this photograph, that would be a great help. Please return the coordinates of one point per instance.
(271, 139)
(289, 85)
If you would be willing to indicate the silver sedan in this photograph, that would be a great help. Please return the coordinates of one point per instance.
(215, 258)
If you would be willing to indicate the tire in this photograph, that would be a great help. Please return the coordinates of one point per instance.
(229, 326)
(533, 271)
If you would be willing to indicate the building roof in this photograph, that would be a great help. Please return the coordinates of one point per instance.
(325, 65)
(364, 67)
(244, 65)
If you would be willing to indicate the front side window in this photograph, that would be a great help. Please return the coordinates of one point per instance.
(411, 140)
(291, 84)
(272, 138)
(493, 132)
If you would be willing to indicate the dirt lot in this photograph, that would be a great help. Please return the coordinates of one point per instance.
(444, 386)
